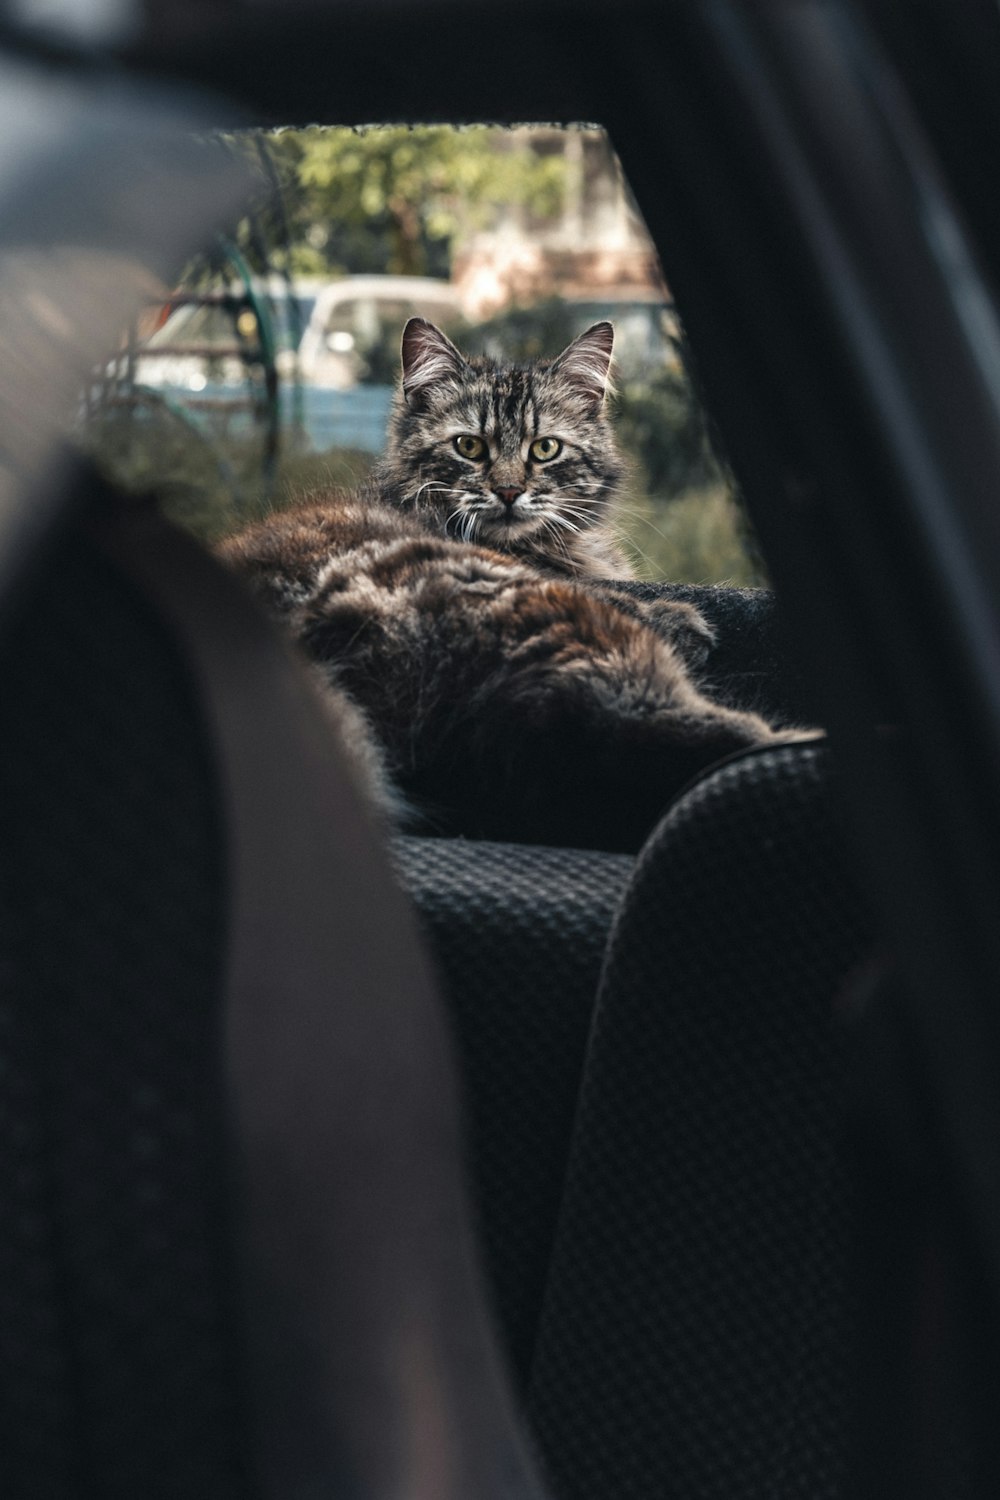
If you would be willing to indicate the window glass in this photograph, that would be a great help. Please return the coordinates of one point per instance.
(270, 367)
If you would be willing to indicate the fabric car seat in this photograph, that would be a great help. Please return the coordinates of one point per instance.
(518, 933)
(676, 1300)
(220, 1090)
(697, 1330)
(234, 1253)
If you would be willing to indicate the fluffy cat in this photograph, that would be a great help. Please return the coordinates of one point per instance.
(510, 694)
(518, 457)
(521, 458)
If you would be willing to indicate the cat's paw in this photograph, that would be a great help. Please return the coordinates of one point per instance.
(684, 626)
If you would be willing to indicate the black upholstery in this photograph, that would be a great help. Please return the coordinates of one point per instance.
(117, 1363)
(519, 934)
(696, 1331)
(234, 1250)
(677, 1349)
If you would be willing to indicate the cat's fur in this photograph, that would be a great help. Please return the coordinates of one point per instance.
(511, 697)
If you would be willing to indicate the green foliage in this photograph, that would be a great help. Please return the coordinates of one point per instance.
(662, 421)
(394, 198)
(685, 520)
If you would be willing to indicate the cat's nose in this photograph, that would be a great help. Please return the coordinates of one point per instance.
(507, 495)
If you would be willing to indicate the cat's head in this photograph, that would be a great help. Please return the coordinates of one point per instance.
(504, 454)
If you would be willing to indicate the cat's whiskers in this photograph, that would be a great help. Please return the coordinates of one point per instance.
(622, 534)
(585, 516)
(590, 507)
(582, 519)
(556, 518)
(428, 484)
(630, 541)
(437, 486)
(580, 502)
(550, 532)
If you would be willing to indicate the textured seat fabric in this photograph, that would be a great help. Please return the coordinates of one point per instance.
(519, 934)
(697, 1331)
(122, 1367)
(235, 1254)
(117, 1361)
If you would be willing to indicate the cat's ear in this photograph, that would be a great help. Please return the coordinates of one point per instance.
(429, 357)
(585, 363)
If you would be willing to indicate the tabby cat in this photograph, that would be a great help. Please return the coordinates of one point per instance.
(521, 458)
(464, 602)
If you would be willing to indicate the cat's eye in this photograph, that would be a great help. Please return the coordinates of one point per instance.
(545, 448)
(469, 446)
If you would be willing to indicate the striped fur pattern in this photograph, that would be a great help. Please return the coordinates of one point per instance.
(490, 696)
(520, 457)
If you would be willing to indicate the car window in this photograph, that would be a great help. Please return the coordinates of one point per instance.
(513, 241)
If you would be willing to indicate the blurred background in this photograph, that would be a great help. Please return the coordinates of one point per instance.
(268, 369)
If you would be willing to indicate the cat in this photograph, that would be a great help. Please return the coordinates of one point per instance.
(517, 457)
(506, 693)
(502, 476)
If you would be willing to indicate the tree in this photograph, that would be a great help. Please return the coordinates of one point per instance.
(394, 198)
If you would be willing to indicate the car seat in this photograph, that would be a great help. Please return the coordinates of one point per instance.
(223, 1083)
(234, 1257)
(679, 1302)
(697, 1332)
(519, 934)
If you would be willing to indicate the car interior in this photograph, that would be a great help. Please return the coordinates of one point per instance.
(344, 1163)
